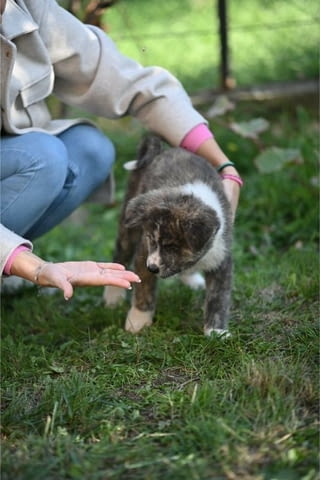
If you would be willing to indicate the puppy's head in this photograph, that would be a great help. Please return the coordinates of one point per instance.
(176, 229)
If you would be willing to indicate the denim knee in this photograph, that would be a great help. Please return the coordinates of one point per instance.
(89, 144)
(104, 156)
(50, 161)
(34, 168)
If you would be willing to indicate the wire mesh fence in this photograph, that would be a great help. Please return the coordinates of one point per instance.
(268, 41)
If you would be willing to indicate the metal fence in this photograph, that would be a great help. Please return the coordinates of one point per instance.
(219, 32)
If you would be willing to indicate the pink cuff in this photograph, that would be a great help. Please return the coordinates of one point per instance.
(196, 137)
(13, 255)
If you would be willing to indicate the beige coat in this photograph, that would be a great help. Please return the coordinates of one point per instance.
(45, 50)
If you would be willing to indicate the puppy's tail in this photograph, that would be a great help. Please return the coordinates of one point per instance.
(131, 165)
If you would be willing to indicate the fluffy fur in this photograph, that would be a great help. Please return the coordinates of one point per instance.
(175, 220)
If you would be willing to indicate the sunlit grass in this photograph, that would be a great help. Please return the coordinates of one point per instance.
(83, 399)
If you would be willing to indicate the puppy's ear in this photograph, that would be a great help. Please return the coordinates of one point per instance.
(149, 148)
(136, 211)
(199, 229)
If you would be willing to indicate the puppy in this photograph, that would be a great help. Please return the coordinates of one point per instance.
(175, 219)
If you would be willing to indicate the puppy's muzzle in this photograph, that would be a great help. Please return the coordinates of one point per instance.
(153, 268)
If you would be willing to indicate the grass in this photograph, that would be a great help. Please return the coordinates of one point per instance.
(82, 399)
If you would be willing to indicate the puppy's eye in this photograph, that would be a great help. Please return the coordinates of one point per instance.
(151, 241)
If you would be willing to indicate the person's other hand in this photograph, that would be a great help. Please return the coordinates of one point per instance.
(210, 150)
(232, 190)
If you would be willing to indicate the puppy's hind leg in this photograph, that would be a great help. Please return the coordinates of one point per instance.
(113, 296)
(137, 320)
(194, 280)
(218, 298)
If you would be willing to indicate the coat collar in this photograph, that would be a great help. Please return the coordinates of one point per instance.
(16, 20)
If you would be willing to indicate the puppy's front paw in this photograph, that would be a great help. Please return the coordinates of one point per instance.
(193, 280)
(219, 332)
(113, 296)
(137, 320)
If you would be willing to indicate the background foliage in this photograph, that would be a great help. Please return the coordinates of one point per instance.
(182, 35)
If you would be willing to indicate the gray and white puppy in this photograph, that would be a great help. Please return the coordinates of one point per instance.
(175, 219)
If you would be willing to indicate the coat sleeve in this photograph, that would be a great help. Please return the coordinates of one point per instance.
(92, 74)
(8, 243)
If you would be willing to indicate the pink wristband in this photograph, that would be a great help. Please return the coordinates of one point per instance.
(234, 178)
(196, 137)
(7, 268)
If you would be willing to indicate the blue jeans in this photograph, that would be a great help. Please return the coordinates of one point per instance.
(45, 177)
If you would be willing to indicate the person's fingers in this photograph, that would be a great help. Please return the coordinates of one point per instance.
(124, 274)
(105, 269)
(111, 265)
(67, 290)
(118, 282)
(105, 277)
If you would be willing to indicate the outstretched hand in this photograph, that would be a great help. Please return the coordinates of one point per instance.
(66, 275)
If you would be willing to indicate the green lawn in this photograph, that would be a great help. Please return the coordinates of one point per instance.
(82, 399)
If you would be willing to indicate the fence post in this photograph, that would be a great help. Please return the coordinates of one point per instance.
(226, 80)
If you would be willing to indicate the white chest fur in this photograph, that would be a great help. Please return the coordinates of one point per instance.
(216, 253)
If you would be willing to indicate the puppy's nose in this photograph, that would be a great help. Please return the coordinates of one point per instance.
(153, 268)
